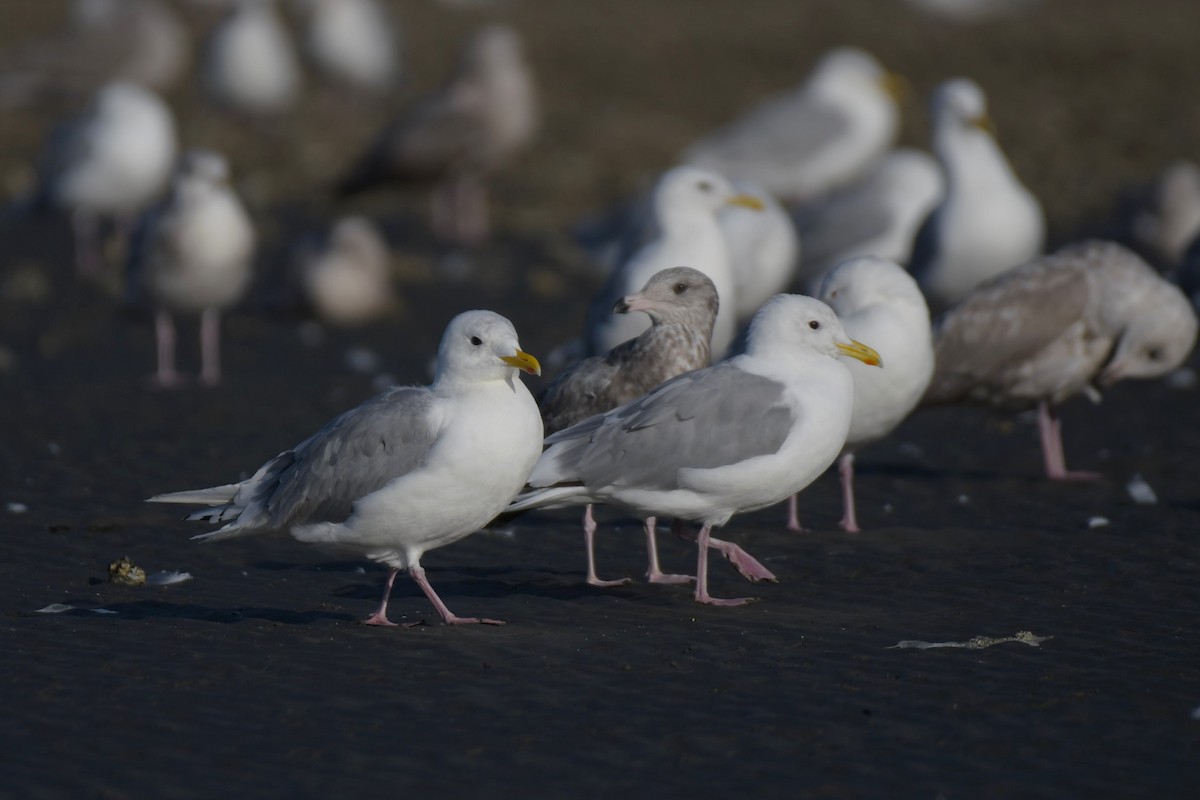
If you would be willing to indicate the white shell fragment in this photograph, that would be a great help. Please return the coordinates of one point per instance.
(165, 578)
(1098, 522)
(55, 608)
(1141, 492)
(975, 642)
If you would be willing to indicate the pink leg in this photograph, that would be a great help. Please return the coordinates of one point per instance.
(164, 333)
(380, 615)
(653, 573)
(210, 347)
(87, 246)
(849, 521)
(745, 563)
(793, 518)
(702, 595)
(418, 575)
(1050, 428)
(589, 534)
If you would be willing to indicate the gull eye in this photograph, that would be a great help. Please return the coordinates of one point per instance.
(680, 288)
(1154, 353)
(704, 186)
(475, 340)
(812, 323)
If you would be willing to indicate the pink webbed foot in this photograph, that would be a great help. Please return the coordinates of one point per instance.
(709, 600)
(378, 618)
(589, 533)
(745, 563)
(592, 580)
(667, 578)
(703, 542)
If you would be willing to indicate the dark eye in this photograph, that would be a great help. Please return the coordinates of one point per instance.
(812, 323)
(475, 340)
(1154, 354)
(704, 186)
(680, 288)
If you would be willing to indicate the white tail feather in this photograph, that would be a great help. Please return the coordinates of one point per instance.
(213, 496)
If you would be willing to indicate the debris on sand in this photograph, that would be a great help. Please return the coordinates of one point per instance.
(125, 573)
(55, 608)
(975, 642)
(165, 578)
(1141, 492)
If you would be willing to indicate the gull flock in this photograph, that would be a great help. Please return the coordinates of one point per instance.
(793, 288)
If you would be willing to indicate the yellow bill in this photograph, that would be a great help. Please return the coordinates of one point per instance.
(746, 201)
(858, 350)
(895, 85)
(524, 362)
(984, 123)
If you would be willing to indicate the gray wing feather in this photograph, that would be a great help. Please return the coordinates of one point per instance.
(694, 421)
(799, 129)
(354, 455)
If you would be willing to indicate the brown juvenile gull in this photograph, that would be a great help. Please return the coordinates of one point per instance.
(682, 305)
(478, 120)
(410, 470)
(737, 436)
(192, 254)
(877, 301)
(1092, 313)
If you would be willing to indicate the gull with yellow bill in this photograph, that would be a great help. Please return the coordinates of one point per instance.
(741, 435)
(410, 470)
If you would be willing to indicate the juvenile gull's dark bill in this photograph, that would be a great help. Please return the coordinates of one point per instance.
(741, 435)
(1092, 313)
(410, 470)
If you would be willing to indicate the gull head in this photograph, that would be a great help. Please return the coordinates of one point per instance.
(794, 323)
(688, 191)
(1159, 336)
(864, 281)
(676, 295)
(849, 70)
(960, 104)
(481, 346)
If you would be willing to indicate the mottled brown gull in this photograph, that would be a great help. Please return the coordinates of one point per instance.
(1090, 314)
(741, 435)
(410, 470)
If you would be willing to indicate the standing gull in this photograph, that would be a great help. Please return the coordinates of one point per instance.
(352, 42)
(686, 201)
(477, 121)
(249, 64)
(112, 162)
(193, 255)
(1091, 313)
(814, 138)
(988, 221)
(347, 280)
(879, 216)
(410, 470)
(741, 435)
(1169, 219)
(877, 301)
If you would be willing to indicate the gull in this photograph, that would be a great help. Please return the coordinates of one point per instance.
(410, 470)
(987, 221)
(138, 41)
(1169, 221)
(817, 137)
(764, 249)
(876, 300)
(741, 435)
(249, 63)
(111, 162)
(878, 216)
(353, 42)
(193, 255)
(476, 122)
(682, 306)
(347, 281)
(685, 203)
(1091, 313)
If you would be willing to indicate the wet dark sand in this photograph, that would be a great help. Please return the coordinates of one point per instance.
(255, 678)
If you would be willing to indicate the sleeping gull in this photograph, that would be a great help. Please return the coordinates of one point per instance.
(347, 280)
(352, 42)
(987, 222)
(877, 301)
(686, 201)
(249, 63)
(112, 162)
(764, 249)
(878, 216)
(741, 435)
(192, 254)
(478, 120)
(814, 138)
(410, 470)
(1092, 312)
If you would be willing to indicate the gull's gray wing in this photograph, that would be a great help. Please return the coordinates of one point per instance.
(700, 420)
(354, 455)
(827, 233)
(1003, 323)
(790, 128)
